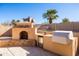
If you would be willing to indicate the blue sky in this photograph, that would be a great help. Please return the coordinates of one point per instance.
(16, 11)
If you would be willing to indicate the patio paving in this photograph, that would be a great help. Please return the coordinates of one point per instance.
(24, 51)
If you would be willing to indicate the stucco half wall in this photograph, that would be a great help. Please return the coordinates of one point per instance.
(61, 49)
(15, 42)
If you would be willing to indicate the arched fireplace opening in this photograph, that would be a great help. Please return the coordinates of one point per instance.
(23, 35)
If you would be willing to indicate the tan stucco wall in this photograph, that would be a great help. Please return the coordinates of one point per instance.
(6, 43)
(76, 34)
(30, 31)
(62, 49)
(5, 30)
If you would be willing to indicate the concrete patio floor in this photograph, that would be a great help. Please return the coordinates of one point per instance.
(24, 51)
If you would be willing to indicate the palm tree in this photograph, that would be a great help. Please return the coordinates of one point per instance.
(65, 20)
(50, 15)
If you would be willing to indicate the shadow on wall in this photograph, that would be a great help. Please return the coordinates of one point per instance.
(8, 33)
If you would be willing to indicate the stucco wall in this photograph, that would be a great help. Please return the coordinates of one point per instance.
(62, 49)
(30, 31)
(7, 33)
(5, 30)
(76, 34)
(15, 42)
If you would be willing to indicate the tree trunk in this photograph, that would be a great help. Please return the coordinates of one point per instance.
(50, 21)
